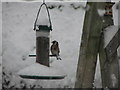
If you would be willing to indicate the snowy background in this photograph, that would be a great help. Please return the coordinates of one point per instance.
(19, 41)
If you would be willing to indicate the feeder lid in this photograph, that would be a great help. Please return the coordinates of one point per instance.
(38, 71)
(44, 28)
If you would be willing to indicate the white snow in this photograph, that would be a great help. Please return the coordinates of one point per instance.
(41, 70)
(101, 12)
(19, 38)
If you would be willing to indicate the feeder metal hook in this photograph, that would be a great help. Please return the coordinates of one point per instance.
(44, 1)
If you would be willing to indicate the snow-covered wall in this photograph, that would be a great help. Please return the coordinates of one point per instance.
(19, 38)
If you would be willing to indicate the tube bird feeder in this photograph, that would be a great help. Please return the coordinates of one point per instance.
(42, 28)
(41, 69)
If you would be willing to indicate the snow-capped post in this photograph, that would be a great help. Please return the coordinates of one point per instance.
(42, 28)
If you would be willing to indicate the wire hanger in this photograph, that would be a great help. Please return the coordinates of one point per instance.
(47, 13)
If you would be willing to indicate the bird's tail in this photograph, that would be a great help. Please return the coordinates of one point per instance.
(58, 58)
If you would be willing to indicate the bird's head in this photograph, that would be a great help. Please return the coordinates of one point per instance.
(55, 42)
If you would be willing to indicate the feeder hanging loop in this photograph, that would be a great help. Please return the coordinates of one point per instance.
(47, 13)
(43, 1)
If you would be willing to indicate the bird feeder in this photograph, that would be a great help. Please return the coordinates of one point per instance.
(42, 28)
(41, 69)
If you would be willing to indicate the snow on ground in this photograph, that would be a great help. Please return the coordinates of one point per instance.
(19, 38)
(40, 70)
(0, 45)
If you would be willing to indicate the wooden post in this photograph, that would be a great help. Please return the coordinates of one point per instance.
(42, 45)
(119, 46)
(102, 60)
(89, 46)
(108, 57)
(112, 67)
(112, 70)
(108, 21)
